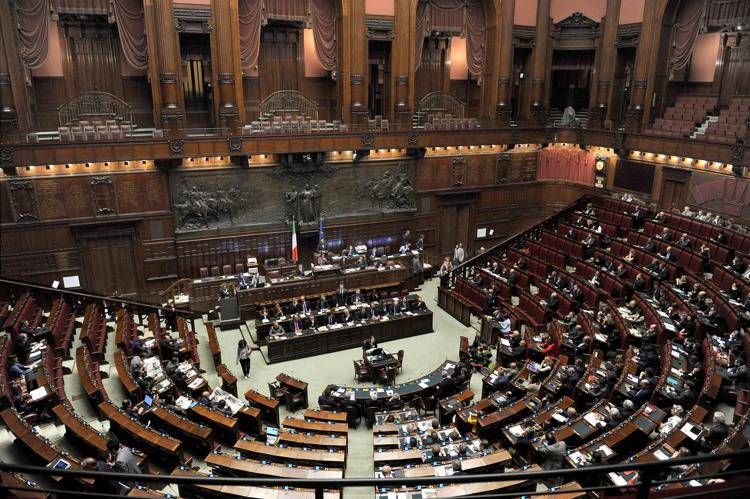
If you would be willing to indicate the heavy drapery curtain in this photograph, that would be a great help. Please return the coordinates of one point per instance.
(690, 20)
(573, 165)
(254, 14)
(33, 30)
(251, 18)
(465, 16)
(324, 32)
(132, 28)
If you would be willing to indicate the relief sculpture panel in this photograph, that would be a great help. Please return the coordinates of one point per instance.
(210, 199)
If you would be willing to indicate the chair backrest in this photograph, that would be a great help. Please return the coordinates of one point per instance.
(239, 268)
(215, 271)
(400, 355)
(226, 269)
(204, 271)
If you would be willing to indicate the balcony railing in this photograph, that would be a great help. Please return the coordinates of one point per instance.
(646, 483)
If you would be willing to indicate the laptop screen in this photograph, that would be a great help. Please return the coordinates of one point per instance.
(61, 464)
(148, 400)
(272, 431)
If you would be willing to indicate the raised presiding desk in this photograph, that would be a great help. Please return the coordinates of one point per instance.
(325, 339)
(205, 291)
(406, 390)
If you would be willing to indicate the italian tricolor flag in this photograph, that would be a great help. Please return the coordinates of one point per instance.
(294, 240)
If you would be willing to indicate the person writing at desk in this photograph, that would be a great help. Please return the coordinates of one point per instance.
(346, 318)
(276, 329)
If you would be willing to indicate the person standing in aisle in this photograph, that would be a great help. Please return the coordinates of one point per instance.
(243, 357)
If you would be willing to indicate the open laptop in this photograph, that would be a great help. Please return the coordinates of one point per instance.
(272, 435)
(148, 400)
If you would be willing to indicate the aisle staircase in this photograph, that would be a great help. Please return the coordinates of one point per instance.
(700, 130)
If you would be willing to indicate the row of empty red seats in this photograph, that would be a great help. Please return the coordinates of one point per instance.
(732, 121)
(680, 120)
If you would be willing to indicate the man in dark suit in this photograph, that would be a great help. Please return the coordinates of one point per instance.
(243, 282)
(638, 217)
(642, 393)
(304, 307)
(357, 297)
(341, 295)
(553, 304)
(322, 303)
(419, 306)
(330, 319)
(394, 308)
(365, 312)
(512, 277)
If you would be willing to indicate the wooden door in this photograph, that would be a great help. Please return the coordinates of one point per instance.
(109, 260)
(456, 223)
(674, 189)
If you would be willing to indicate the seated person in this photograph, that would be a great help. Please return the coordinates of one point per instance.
(715, 434)
(276, 329)
(683, 241)
(223, 408)
(346, 317)
(16, 369)
(205, 400)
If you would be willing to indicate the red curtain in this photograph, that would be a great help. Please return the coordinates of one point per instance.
(465, 16)
(573, 165)
(131, 26)
(33, 30)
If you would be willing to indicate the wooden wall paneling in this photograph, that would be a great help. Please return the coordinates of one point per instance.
(137, 93)
(149, 18)
(49, 93)
(505, 62)
(606, 62)
(279, 59)
(167, 48)
(91, 57)
(402, 57)
(225, 57)
(357, 43)
(540, 66)
(491, 72)
(14, 73)
(646, 62)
